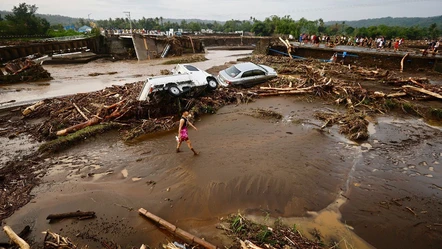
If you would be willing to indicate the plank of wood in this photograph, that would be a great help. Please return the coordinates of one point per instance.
(175, 230)
(433, 94)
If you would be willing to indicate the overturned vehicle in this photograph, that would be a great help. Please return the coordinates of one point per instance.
(184, 77)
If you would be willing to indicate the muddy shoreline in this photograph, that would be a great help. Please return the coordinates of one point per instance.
(383, 190)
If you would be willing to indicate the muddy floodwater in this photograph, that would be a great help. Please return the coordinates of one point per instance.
(76, 78)
(384, 193)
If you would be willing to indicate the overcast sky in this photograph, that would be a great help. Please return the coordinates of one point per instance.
(236, 9)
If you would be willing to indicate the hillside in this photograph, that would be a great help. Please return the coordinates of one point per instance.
(393, 21)
(52, 19)
(65, 20)
(389, 21)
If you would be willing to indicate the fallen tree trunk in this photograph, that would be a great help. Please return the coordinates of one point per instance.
(421, 90)
(77, 214)
(93, 121)
(175, 230)
(15, 238)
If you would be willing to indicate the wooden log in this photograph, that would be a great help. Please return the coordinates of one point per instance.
(15, 238)
(81, 113)
(176, 231)
(93, 121)
(77, 214)
(292, 92)
(433, 94)
(31, 108)
(402, 62)
(396, 95)
(277, 88)
(416, 83)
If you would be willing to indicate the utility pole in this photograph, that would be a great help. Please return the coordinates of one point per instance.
(130, 21)
(89, 16)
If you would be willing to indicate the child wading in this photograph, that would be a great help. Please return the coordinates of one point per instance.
(182, 132)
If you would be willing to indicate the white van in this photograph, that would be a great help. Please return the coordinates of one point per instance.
(184, 77)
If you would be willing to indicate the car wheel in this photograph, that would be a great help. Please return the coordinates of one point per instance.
(174, 91)
(212, 84)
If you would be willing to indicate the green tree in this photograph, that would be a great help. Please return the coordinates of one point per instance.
(194, 26)
(433, 31)
(23, 21)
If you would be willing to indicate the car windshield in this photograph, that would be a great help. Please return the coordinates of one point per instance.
(191, 68)
(232, 71)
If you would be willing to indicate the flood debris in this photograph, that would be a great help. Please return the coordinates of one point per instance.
(190, 238)
(353, 125)
(15, 238)
(186, 59)
(264, 114)
(351, 86)
(249, 234)
(23, 70)
(78, 214)
(55, 241)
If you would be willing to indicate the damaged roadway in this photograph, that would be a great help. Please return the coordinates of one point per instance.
(293, 165)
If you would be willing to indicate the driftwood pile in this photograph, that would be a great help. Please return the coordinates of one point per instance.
(23, 70)
(119, 105)
(357, 88)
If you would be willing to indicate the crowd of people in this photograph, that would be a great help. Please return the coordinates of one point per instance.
(379, 42)
(360, 41)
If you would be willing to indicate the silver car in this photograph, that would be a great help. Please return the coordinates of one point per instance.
(246, 74)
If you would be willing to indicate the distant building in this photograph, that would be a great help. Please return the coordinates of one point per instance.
(85, 29)
(69, 27)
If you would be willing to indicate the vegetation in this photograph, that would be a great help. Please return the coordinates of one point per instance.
(424, 22)
(23, 21)
(275, 25)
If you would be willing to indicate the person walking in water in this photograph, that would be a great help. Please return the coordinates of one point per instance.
(182, 132)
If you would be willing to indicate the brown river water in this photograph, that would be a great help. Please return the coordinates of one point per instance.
(356, 194)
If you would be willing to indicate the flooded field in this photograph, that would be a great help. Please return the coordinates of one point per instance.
(262, 168)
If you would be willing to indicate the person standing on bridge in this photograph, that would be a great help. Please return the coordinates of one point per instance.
(182, 132)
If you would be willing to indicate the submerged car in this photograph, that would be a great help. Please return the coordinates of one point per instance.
(246, 74)
(184, 77)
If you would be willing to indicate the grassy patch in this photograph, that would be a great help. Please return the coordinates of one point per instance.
(277, 236)
(65, 142)
(390, 104)
(436, 113)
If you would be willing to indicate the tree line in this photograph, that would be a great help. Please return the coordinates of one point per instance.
(23, 21)
(275, 25)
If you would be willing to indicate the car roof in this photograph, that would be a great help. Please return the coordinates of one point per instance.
(247, 66)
